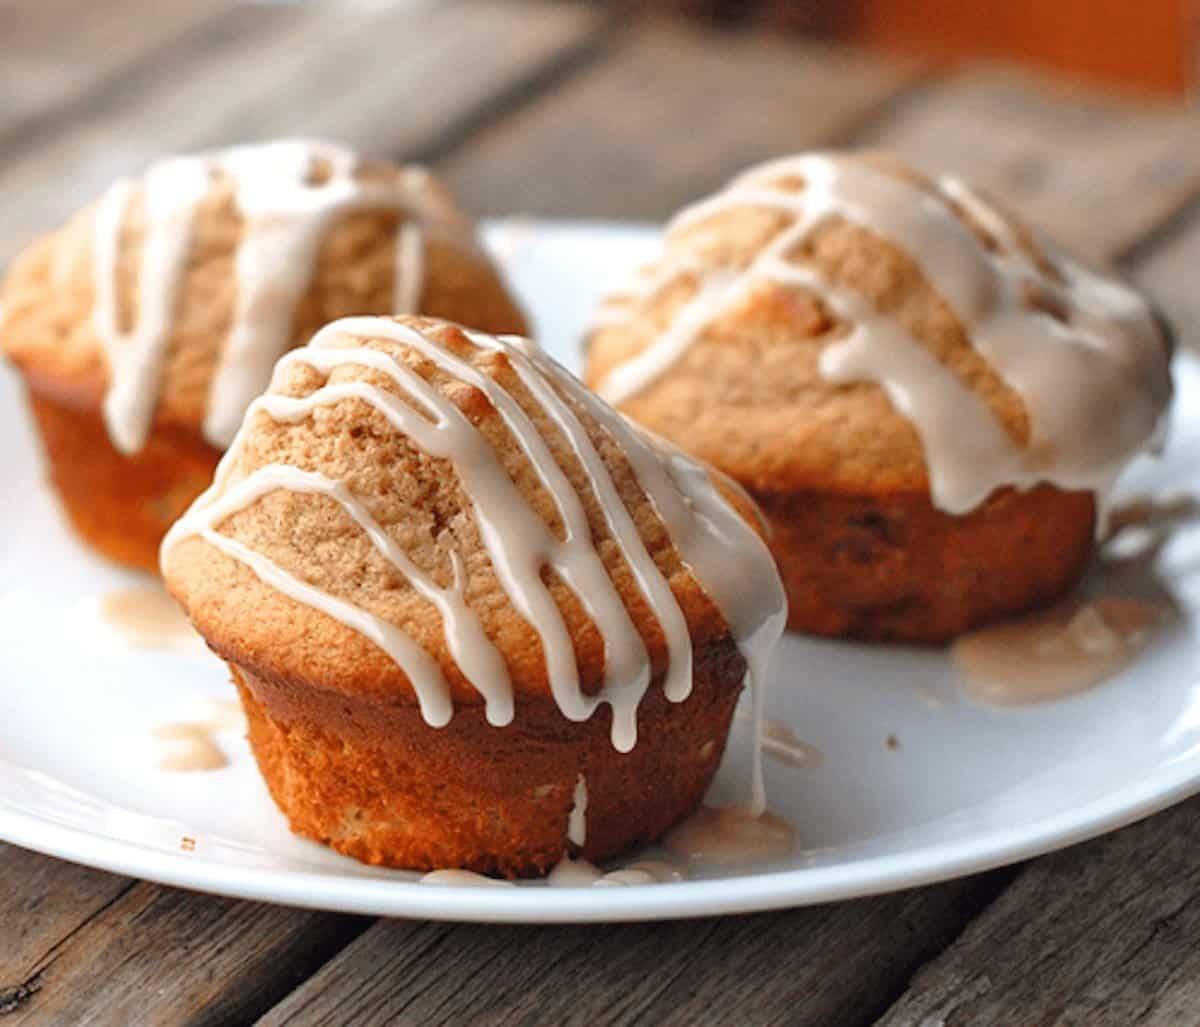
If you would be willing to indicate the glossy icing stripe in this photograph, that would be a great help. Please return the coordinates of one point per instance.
(171, 194)
(287, 217)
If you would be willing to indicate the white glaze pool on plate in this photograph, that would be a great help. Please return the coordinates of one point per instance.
(968, 788)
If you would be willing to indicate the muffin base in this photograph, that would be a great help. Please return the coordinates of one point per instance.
(121, 505)
(894, 568)
(372, 780)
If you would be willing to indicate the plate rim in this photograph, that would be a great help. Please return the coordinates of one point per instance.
(746, 893)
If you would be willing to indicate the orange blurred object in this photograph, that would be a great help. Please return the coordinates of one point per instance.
(1151, 44)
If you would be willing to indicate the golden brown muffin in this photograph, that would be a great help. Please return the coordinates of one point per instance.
(147, 323)
(926, 398)
(461, 597)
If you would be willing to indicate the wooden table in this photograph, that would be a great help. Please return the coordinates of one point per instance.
(552, 108)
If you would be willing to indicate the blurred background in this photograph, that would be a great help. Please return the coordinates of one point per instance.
(1076, 112)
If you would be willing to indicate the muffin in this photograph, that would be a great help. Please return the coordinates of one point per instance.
(929, 401)
(475, 618)
(145, 325)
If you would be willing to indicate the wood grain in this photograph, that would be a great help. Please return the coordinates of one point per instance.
(665, 117)
(1099, 170)
(58, 52)
(825, 965)
(392, 79)
(1100, 934)
(152, 955)
(42, 903)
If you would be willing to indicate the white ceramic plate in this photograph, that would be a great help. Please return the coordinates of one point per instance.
(966, 789)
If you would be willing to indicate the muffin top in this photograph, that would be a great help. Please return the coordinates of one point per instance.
(843, 323)
(170, 299)
(423, 513)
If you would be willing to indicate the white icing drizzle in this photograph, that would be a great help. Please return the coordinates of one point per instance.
(1093, 375)
(410, 268)
(171, 193)
(573, 873)
(783, 745)
(287, 217)
(577, 820)
(579, 873)
(730, 561)
(462, 879)
(722, 551)
(730, 836)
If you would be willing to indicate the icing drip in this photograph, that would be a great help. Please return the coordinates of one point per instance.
(577, 821)
(462, 879)
(410, 269)
(730, 836)
(1056, 652)
(729, 560)
(192, 745)
(172, 192)
(723, 552)
(288, 214)
(783, 745)
(1037, 327)
(579, 873)
(146, 616)
(187, 747)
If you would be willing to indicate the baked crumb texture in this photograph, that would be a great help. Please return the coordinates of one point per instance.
(144, 326)
(927, 399)
(451, 584)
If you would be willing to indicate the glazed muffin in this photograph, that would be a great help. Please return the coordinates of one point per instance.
(145, 325)
(475, 618)
(928, 400)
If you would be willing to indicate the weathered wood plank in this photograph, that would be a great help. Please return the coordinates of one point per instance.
(833, 964)
(154, 955)
(666, 117)
(1100, 934)
(43, 902)
(389, 78)
(58, 51)
(1094, 168)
